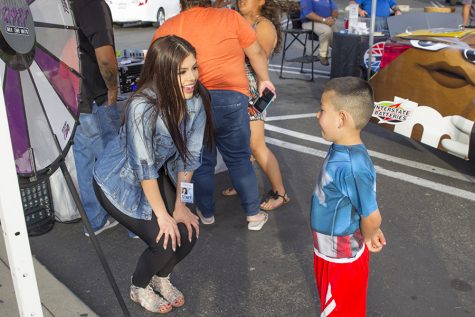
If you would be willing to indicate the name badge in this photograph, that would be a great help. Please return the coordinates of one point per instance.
(186, 192)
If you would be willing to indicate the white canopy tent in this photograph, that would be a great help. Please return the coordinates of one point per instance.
(14, 227)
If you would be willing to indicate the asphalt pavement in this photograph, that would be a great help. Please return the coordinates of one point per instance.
(56, 298)
(426, 198)
(427, 269)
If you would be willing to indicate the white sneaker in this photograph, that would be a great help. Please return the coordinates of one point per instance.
(204, 220)
(258, 224)
(110, 223)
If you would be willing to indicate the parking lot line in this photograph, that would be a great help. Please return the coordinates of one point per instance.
(449, 190)
(288, 69)
(393, 159)
(290, 116)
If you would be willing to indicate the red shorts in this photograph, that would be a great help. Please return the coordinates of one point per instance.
(342, 286)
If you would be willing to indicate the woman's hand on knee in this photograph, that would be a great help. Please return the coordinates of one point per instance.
(169, 231)
(184, 215)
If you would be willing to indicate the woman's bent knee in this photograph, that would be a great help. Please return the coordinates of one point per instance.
(184, 233)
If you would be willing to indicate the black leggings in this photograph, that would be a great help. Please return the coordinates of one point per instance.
(154, 260)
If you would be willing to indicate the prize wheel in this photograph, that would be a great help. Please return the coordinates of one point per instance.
(39, 66)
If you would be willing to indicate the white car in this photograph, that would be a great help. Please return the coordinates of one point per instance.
(143, 11)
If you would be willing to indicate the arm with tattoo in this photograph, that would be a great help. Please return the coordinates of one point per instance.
(108, 66)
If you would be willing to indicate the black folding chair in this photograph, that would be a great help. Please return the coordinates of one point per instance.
(293, 33)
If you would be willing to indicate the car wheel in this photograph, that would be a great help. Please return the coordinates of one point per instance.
(160, 18)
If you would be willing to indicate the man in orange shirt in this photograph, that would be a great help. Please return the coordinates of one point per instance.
(222, 38)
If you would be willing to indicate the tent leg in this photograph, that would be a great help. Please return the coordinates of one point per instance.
(92, 236)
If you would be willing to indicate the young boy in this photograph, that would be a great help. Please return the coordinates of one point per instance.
(344, 213)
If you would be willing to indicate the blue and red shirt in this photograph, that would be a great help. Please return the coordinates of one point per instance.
(345, 192)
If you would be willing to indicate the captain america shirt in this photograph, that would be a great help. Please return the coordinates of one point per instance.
(345, 192)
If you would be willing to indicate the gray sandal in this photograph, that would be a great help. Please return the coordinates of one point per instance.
(163, 286)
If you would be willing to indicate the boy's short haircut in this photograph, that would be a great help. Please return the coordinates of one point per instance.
(353, 95)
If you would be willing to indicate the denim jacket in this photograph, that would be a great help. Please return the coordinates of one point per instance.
(137, 154)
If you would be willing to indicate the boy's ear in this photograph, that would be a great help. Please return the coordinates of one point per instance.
(343, 119)
(346, 120)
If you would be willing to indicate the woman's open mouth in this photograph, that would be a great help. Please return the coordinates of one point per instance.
(189, 89)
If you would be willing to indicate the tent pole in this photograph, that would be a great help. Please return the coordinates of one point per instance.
(92, 236)
(371, 38)
(14, 230)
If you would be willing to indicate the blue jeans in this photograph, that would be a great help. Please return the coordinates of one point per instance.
(232, 137)
(381, 25)
(92, 134)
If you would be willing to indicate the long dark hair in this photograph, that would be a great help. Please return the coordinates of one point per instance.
(160, 75)
(272, 11)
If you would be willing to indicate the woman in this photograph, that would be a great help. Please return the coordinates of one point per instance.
(222, 37)
(263, 15)
(166, 120)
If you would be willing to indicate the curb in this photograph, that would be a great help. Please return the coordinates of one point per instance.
(56, 298)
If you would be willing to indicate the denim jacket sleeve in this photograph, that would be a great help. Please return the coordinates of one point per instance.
(195, 135)
(140, 150)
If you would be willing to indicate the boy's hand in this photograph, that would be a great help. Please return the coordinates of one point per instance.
(377, 242)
